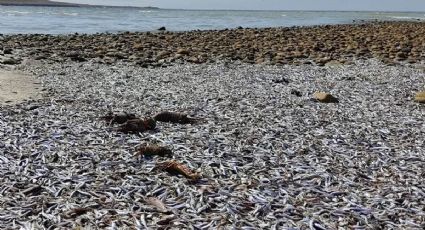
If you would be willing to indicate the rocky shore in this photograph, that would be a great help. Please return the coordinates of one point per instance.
(390, 42)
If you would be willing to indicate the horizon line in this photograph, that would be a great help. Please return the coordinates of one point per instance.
(204, 9)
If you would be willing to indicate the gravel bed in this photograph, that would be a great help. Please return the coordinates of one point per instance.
(269, 159)
(390, 42)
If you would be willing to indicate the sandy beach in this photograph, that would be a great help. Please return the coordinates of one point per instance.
(16, 87)
(268, 155)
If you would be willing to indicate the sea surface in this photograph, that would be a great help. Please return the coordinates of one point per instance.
(66, 20)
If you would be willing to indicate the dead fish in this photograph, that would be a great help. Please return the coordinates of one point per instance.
(173, 117)
(154, 150)
(167, 220)
(119, 118)
(175, 167)
(74, 213)
(32, 190)
(314, 225)
(137, 126)
(157, 203)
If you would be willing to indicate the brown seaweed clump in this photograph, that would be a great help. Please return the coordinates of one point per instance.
(176, 168)
(119, 118)
(174, 117)
(137, 125)
(154, 150)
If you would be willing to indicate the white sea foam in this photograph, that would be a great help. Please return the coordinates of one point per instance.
(406, 17)
(15, 12)
(70, 14)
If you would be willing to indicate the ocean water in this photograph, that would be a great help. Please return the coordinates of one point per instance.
(65, 20)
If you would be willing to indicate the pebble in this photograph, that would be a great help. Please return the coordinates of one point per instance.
(334, 45)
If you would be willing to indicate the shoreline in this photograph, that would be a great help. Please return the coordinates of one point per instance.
(392, 42)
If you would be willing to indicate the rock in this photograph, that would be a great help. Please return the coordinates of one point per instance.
(385, 41)
(78, 59)
(7, 51)
(162, 28)
(162, 54)
(420, 97)
(138, 46)
(194, 60)
(325, 97)
(322, 61)
(40, 57)
(76, 56)
(10, 61)
(401, 55)
(33, 107)
(281, 81)
(296, 93)
(183, 51)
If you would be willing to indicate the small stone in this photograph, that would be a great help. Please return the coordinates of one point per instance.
(162, 54)
(183, 51)
(33, 107)
(401, 55)
(162, 28)
(296, 93)
(281, 81)
(10, 61)
(194, 60)
(420, 97)
(7, 51)
(325, 97)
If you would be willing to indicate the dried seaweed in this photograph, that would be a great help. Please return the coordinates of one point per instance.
(173, 117)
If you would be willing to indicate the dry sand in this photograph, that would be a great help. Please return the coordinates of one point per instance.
(16, 87)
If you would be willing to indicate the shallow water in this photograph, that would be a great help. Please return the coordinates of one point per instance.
(64, 20)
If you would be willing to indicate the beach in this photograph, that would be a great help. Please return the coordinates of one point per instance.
(268, 155)
(391, 42)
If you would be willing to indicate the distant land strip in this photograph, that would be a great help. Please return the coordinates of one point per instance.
(56, 4)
